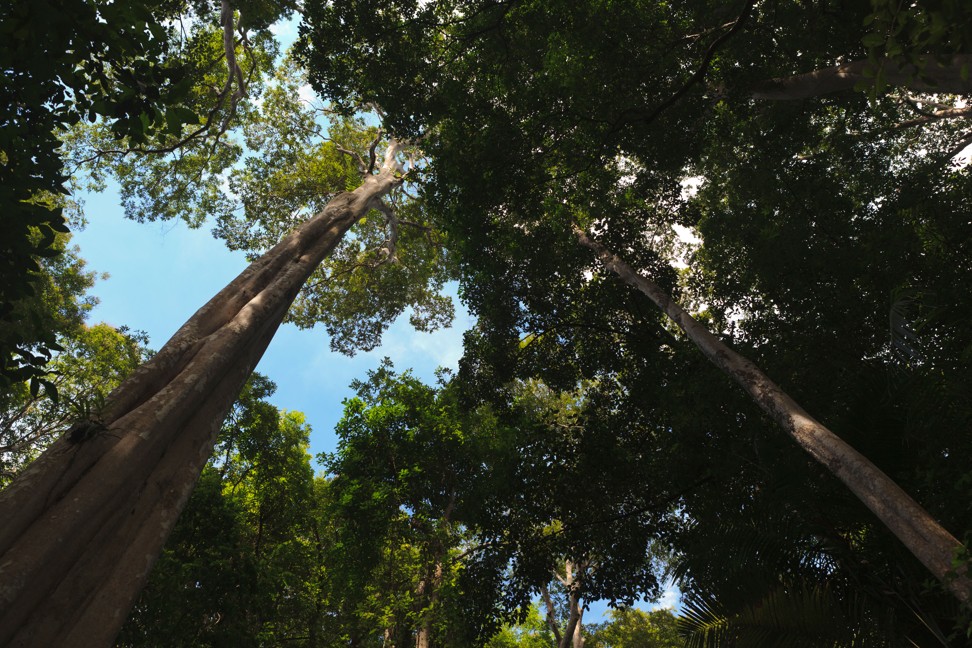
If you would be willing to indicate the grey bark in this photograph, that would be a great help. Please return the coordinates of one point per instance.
(571, 637)
(908, 521)
(928, 76)
(83, 525)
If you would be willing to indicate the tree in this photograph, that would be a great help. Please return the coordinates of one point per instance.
(634, 627)
(182, 393)
(545, 81)
(168, 412)
(400, 485)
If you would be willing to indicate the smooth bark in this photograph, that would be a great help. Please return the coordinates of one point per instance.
(83, 525)
(928, 76)
(572, 636)
(920, 532)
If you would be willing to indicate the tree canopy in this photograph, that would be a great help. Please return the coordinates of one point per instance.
(538, 152)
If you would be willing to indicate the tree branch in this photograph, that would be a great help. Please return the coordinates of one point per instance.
(904, 517)
(928, 75)
(551, 620)
(371, 152)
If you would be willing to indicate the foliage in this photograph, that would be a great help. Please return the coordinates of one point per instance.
(401, 475)
(908, 33)
(531, 632)
(815, 217)
(630, 627)
(64, 62)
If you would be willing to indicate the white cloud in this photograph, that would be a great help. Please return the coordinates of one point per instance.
(670, 598)
(286, 31)
(307, 94)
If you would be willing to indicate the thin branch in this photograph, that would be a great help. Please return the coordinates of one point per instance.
(362, 167)
(704, 65)
(928, 117)
(229, 49)
(371, 152)
(960, 146)
(234, 73)
(390, 247)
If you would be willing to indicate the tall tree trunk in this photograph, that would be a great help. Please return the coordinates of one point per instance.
(578, 633)
(572, 580)
(921, 534)
(83, 525)
(931, 77)
(423, 637)
(429, 588)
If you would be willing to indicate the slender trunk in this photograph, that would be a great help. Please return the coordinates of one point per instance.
(571, 636)
(430, 587)
(573, 577)
(423, 637)
(921, 534)
(572, 631)
(83, 525)
(931, 76)
(551, 614)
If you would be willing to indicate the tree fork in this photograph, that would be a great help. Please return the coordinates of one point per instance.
(924, 537)
(85, 522)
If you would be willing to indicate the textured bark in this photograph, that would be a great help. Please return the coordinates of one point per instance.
(933, 77)
(423, 636)
(918, 531)
(83, 525)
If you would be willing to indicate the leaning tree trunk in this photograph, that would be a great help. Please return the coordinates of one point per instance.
(83, 525)
(920, 532)
(929, 76)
